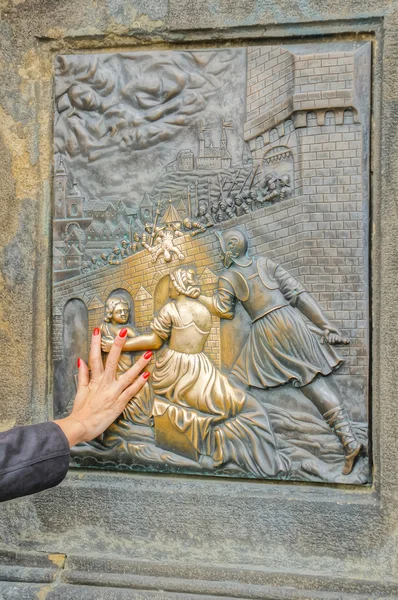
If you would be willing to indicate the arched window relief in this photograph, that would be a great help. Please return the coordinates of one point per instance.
(348, 117)
(311, 119)
(259, 142)
(288, 127)
(74, 346)
(273, 135)
(330, 118)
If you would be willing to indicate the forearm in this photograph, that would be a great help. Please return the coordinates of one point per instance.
(74, 431)
(311, 309)
(207, 301)
(149, 341)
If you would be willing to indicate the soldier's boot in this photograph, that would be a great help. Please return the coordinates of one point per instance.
(338, 421)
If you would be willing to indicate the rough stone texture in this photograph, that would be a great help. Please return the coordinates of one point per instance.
(185, 537)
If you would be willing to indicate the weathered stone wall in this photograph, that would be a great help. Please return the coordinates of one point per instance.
(337, 263)
(270, 82)
(281, 83)
(111, 536)
(330, 246)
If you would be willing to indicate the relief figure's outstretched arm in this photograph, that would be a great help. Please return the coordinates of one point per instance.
(148, 341)
(208, 302)
(223, 302)
(220, 304)
(298, 297)
(310, 308)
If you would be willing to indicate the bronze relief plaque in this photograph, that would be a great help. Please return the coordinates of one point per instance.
(215, 203)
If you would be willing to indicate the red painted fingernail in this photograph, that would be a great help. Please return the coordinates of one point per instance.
(79, 362)
(148, 354)
(96, 331)
(146, 374)
(123, 332)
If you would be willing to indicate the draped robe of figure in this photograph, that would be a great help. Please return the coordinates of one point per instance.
(219, 420)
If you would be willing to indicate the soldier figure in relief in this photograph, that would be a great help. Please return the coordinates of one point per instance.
(115, 258)
(243, 203)
(104, 260)
(285, 187)
(94, 264)
(204, 215)
(281, 346)
(86, 267)
(227, 206)
(136, 243)
(125, 249)
(270, 192)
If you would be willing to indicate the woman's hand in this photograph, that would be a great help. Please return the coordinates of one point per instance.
(101, 398)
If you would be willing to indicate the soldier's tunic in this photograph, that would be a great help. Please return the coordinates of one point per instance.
(280, 347)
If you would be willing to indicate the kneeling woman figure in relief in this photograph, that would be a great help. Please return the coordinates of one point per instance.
(197, 410)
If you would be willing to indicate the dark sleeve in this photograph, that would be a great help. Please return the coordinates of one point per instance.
(32, 458)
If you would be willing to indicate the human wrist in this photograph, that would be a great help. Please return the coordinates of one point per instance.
(75, 431)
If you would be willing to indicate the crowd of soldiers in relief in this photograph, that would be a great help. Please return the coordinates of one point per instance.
(231, 194)
(158, 239)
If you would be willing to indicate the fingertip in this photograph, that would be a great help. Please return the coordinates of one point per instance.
(81, 364)
(96, 331)
(83, 373)
(146, 374)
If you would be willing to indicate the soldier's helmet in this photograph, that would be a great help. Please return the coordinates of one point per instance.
(234, 243)
(285, 180)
